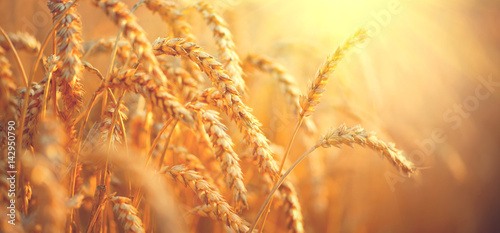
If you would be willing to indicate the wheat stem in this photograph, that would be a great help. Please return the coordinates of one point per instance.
(16, 55)
(278, 184)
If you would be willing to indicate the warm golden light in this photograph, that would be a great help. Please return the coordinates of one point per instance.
(214, 95)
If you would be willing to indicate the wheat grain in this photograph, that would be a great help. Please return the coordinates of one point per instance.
(292, 208)
(36, 93)
(127, 215)
(69, 51)
(215, 203)
(106, 122)
(224, 153)
(357, 135)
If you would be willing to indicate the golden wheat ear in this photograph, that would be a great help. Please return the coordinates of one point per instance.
(347, 136)
(318, 85)
(106, 124)
(357, 135)
(223, 146)
(8, 102)
(127, 215)
(32, 116)
(157, 94)
(215, 204)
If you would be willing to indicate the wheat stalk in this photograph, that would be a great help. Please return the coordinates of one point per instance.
(54, 182)
(348, 136)
(180, 28)
(317, 87)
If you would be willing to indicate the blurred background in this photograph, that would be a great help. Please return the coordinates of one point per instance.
(427, 79)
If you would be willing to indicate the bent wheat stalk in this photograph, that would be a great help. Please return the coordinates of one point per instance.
(348, 136)
(14, 51)
(317, 87)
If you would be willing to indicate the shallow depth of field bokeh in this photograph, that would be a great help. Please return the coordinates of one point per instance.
(422, 64)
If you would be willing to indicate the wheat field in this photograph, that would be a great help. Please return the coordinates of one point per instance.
(249, 116)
